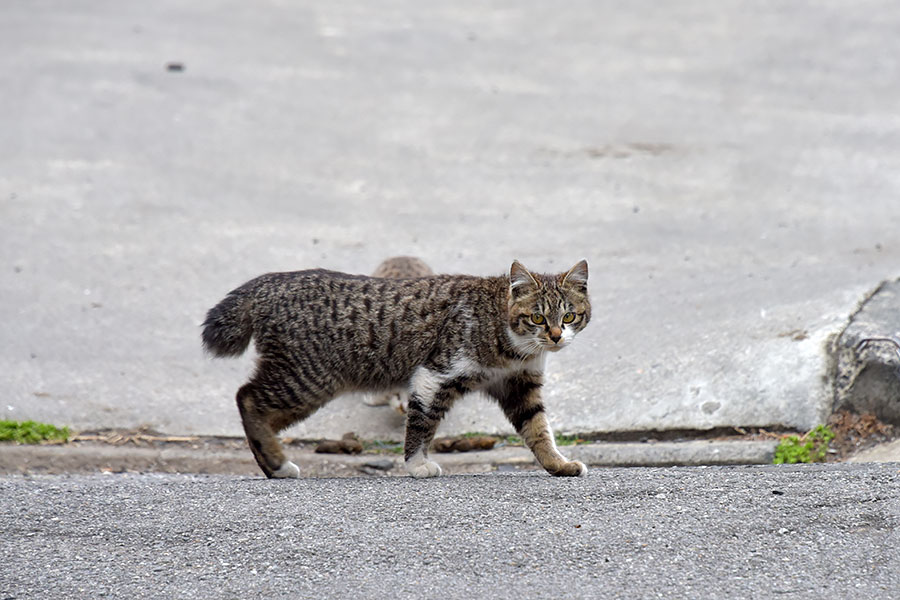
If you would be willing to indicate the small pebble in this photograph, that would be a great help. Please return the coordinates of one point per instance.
(382, 464)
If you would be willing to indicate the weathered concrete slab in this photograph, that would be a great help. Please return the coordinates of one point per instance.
(728, 169)
(889, 452)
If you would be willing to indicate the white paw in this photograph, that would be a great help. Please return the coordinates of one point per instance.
(572, 468)
(400, 402)
(423, 468)
(376, 399)
(287, 469)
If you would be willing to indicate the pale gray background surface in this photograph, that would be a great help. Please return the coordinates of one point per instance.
(729, 170)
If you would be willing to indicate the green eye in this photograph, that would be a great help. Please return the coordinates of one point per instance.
(537, 319)
(568, 317)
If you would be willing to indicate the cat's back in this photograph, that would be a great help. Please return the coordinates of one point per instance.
(289, 284)
(329, 286)
(374, 331)
(293, 287)
(342, 306)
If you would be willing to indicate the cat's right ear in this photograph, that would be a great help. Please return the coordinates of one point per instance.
(520, 279)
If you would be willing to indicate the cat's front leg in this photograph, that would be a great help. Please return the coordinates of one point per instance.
(420, 429)
(520, 399)
(431, 396)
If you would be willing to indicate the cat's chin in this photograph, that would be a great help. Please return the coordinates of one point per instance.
(553, 348)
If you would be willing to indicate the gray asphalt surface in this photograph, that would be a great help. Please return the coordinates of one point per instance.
(717, 532)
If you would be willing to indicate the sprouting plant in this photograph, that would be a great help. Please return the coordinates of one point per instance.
(808, 448)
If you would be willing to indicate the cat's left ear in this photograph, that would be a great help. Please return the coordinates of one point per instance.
(577, 275)
(520, 279)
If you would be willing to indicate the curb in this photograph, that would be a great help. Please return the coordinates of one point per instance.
(670, 454)
(887, 452)
(866, 357)
(93, 458)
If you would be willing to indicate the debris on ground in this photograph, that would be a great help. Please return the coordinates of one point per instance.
(142, 436)
(377, 467)
(348, 444)
(855, 432)
(380, 464)
(464, 443)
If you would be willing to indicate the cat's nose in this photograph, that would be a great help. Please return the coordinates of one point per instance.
(555, 334)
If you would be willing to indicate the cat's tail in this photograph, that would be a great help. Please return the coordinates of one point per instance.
(229, 326)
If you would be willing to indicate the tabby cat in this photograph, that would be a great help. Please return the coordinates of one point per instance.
(397, 267)
(321, 333)
(402, 267)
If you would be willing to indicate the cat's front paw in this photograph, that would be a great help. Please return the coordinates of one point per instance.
(423, 468)
(573, 468)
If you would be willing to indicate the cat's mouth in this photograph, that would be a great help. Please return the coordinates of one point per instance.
(551, 347)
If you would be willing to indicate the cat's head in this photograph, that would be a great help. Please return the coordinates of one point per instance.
(546, 311)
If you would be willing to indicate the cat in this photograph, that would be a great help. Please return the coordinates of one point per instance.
(402, 267)
(397, 267)
(321, 333)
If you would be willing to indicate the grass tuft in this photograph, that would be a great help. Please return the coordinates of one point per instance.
(31, 432)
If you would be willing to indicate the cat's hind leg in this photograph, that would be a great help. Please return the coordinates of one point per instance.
(262, 437)
(267, 407)
(431, 396)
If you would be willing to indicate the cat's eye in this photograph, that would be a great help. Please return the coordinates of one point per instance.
(537, 319)
(568, 317)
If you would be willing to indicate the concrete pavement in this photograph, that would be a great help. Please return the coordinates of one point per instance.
(727, 168)
(231, 457)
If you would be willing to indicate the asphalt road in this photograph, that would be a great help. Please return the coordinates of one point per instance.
(727, 532)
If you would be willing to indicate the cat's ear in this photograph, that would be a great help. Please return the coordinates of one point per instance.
(577, 275)
(520, 278)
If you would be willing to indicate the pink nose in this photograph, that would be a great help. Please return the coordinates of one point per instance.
(555, 334)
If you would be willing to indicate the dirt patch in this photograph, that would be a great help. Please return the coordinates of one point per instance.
(348, 444)
(854, 432)
(465, 443)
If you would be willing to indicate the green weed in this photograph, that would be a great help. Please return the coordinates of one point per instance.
(31, 432)
(569, 440)
(511, 440)
(808, 448)
(384, 446)
(503, 440)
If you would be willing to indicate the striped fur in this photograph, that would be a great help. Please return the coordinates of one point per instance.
(321, 333)
(397, 267)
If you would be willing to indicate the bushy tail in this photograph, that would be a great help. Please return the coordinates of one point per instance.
(228, 326)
